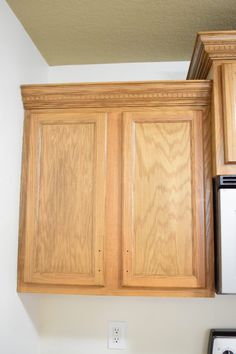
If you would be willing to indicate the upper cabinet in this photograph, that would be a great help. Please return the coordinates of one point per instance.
(214, 57)
(116, 189)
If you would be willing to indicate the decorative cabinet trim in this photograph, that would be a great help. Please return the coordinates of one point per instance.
(134, 94)
(211, 46)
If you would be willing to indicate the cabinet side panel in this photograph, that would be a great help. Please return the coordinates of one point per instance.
(162, 199)
(208, 173)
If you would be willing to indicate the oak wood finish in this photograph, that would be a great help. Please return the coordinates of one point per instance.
(163, 206)
(131, 94)
(209, 47)
(193, 110)
(229, 102)
(214, 50)
(65, 213)
(220, 165)
(208, 168)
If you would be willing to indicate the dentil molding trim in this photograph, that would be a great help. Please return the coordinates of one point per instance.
(149, 93)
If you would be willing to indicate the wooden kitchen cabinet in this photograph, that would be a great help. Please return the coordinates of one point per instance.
(116, 189)
(214, 57)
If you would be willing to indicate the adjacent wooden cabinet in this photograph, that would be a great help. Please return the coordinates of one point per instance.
(116, 189)
(214, 57)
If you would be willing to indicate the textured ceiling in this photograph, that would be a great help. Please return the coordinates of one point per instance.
(118, 31)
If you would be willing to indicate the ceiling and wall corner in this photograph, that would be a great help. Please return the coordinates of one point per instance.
(75, 32)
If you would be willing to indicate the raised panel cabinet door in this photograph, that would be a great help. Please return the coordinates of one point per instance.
(163, 199)
(229, 111)
(65, 198)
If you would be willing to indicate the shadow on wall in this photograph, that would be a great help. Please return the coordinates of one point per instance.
(31, 304)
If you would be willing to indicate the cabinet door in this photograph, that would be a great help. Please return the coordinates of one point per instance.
(65, 198)
(163, 199)
(229, 105)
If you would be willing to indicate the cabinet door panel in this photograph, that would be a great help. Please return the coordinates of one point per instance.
(163, 200)
(229, 105)
(65, 207)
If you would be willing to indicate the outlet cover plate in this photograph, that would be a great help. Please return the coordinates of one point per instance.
(117, 335)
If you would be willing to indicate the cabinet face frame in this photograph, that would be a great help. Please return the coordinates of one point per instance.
(195, 121)
(113, 99)
(34, 196)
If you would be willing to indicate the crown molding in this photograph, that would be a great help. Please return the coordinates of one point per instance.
(148, 94)
(210, 46)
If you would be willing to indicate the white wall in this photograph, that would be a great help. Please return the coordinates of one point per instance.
(119, 72)
(78, 324)
(20, 63)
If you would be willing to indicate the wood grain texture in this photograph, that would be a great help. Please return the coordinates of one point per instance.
(212, 51)
(113, 211)
(65, 219)
(208, 201)
(66, 194)
(229, 102)
(162, 217)
(220, 167)
(126, 94)
(112, 255)
(163, 208)
(209, 47)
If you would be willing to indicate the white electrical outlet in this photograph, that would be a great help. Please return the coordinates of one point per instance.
(117, 335)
